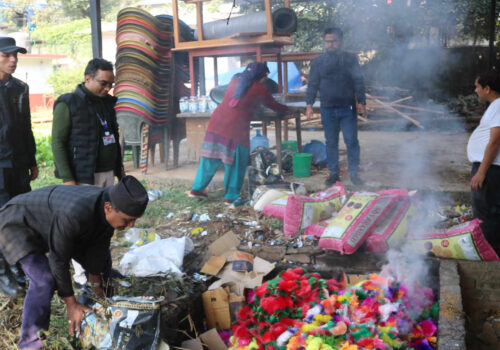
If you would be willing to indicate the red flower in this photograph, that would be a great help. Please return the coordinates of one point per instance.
(287, 286)
(305, 288)
(245, 313)
(261, 290)
(290, 275)
(241, 332)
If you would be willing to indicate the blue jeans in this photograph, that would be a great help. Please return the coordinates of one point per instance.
(335, 119)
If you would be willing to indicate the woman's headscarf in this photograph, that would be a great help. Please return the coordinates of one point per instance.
(254, 71)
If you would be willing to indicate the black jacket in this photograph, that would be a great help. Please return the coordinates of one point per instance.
(338, 78)
(67, 222)
(83, 143)
(17, 144)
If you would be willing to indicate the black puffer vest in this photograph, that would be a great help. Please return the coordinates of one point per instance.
(83, 143)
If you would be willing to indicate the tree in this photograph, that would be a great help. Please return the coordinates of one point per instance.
(78, 9)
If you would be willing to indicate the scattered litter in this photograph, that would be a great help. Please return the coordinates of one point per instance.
(197, 230)
(200, 277)
(251, 223)
(194, 217)
(204, 233)
(125, 284)
(169, 216)
(220, 216)
(204, 218)
(140, 237)
(156, 258)
(300, 244)
(154, 195)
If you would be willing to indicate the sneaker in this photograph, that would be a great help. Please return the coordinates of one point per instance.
(332, 179)
(197, 194)
(356, 180)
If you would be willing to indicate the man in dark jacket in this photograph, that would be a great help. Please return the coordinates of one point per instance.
(337, 76)
(17, 144)
(85, 134)
(67, 222)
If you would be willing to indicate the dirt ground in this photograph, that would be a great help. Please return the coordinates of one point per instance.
(430, 160)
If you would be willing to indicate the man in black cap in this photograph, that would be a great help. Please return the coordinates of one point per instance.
(17, 144)
(67, 222)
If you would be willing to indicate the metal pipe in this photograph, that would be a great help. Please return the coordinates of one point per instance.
(493, 21)
(95, 24)
(284, 22)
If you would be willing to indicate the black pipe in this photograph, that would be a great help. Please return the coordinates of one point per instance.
(493, 21)
(95, 24)
(284, 22)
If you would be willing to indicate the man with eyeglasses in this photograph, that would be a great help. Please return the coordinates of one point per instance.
(85, 134)
(337, 76)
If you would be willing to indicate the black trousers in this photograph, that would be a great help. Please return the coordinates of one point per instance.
(486, 204)
(13, 181)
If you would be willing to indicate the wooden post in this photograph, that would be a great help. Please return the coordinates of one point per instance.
(285, 79)
(280, 76)
(175, 11)
(199, 20)
(269, 18)
(216, 72)
(191, 74)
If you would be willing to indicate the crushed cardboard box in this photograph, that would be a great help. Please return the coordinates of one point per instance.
(210, 339)
(224, 298)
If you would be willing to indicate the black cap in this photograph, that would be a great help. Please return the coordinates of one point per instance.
(8, 45)
(129, 196)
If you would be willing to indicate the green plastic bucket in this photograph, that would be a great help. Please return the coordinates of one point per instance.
(302, 164)
(291, 145)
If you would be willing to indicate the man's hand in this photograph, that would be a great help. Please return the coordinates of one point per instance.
(309, 111)
(71, 182)
(33, 172)
(76, 312)
(477, 181)
(361, 110)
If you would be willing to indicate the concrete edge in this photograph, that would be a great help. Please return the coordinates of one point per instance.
(451, 326)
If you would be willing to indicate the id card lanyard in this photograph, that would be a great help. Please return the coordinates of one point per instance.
(104, 124)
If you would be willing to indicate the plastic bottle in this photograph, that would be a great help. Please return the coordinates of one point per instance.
(259, 141)
(183, 105)
(193, 104)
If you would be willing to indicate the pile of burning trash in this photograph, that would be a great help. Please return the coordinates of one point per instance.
(299, 310)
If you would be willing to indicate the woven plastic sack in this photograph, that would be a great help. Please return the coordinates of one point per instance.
(277, 207)
(122, 323)
(390, 232)
(318, 228)
(355, 221)
(302, 211)
(268, 197)
(465, 241)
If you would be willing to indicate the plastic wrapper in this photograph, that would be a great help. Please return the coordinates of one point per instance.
(464, 241)
(121, 323)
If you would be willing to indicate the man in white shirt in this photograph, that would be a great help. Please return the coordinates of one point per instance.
(483, 151)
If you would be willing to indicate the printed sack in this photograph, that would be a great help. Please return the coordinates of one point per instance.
(302, 211)
(318, 228)
(390, 232)
(276, 208)
(464, 241)
(348, 230)
(121, 323)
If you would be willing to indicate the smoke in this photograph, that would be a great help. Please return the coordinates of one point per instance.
(413, 272)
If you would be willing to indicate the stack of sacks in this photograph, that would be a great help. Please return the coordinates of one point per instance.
(300, 210)
(299, 310)
(143, 65)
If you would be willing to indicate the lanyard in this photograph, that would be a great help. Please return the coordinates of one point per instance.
(104, 124)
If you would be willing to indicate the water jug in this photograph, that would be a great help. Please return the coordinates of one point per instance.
(259, 141)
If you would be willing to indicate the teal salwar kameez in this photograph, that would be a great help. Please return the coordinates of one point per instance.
(234, 175)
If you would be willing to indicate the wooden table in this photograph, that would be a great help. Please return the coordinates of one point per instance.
(197, 123)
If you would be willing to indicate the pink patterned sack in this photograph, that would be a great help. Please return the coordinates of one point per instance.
(276, 208)
(355, 221)
(318, 228)
(464, 241)
(302, 211)
(390, 232)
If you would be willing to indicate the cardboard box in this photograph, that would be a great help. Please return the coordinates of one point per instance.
(216, 306)
(210, 339)
(213, 265)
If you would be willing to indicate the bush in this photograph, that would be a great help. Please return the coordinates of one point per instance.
(45, 162)
(65, 80)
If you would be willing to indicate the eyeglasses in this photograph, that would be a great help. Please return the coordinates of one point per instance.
(105, 83)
